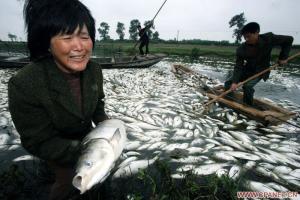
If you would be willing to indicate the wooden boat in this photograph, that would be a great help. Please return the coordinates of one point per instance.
(129, 61)
(264, 111)
(106, 63)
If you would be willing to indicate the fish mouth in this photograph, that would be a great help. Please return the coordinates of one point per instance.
(78, 183)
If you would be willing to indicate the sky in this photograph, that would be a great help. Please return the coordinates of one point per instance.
(189, 19)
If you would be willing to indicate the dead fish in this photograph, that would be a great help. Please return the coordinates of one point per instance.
(3, 122)
(133, 167)
(133, 145)
(177, 122)
(223, 148)
(288, 148)
(157, 145)
(240, 136)
(132, 153)
(267, 130)
(146, 126)
(262, 142)
(225, 135)
(250, 127)
(281, 157)
(249, 165)
(221, 172)
(189, 159)
(229, 127)
(127, 161)
(275, 136)
(257, 186)
(267, 173)
(195, 150)
(212, 141)
(295, 173)
(209, 168)
(234, 172)
(275, 140)
(230, 142)
(101, 148)
(290, 179)
(266, 165)
(247, 145)
(282, 170)
(185, 168)
(265, 157)
(243, 155)
(4, 139)
(230, 118)
(294, 156)
(177, 176)
(198, 142)
(219, 155)
(277, 187)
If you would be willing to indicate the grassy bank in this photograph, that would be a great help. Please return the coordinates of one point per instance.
(227, 52)
(171, 49)
(116, 47)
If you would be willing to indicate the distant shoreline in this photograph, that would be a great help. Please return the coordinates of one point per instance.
(189, 48)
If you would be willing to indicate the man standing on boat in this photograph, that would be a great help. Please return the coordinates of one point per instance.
(144, 38)
(253, 56)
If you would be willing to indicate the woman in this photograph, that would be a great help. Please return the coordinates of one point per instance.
(54, 99)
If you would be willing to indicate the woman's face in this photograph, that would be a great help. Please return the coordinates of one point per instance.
(71, 52)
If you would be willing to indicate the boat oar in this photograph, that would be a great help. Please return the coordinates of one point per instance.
(249, 79)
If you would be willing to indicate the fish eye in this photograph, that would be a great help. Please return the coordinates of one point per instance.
(88, 163)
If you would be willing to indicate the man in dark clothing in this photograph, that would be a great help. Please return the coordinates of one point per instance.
(253, 56)
(144, 38)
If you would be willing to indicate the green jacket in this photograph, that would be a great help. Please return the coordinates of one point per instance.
(46, 114)
(251, 59)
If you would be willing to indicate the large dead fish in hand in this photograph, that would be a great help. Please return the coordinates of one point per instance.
(100, 150)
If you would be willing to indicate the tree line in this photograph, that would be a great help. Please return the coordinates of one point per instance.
(133, 31)
(237, 20)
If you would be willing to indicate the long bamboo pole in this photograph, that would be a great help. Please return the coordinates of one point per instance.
(249, 79)
(151, 22)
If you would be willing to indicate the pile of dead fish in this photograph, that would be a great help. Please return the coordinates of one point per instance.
(163, 122)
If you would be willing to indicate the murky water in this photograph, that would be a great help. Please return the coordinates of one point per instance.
(284, 82)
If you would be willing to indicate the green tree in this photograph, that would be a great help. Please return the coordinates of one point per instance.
(103, 31)
(133, 30)
(238, 21)
(120, 30)
(155, 36)
(12, 37)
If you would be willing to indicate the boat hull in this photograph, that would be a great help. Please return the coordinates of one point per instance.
(105, 63)
(262, 110)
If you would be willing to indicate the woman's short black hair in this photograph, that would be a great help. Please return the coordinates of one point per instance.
(251, 27)
(46, 18)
